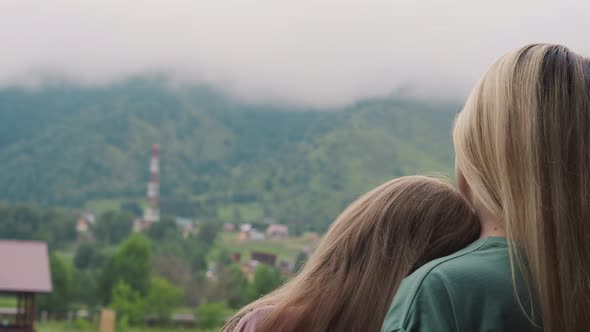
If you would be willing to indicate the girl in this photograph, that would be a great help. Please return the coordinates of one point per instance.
(349, 281)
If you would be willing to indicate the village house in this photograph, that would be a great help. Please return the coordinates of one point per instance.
(236, 257)
(185, 225)
(279, 231)
(245, 228)
(84, 224)
(247, 232)
(229, 227)
(256, 235)
(140, 225)
(244, 233)
(263, 258)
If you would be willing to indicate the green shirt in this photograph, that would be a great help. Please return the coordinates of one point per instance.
(470, 290)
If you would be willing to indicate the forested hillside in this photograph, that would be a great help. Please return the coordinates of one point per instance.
(221, 159)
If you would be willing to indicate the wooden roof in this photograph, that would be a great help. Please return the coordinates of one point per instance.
(24, 267)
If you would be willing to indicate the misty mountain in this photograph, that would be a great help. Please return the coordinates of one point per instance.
(221, 158)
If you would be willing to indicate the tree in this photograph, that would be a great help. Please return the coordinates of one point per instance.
(192, 252)
(223, 257)
(173, 269)
(59, 299)
(132, 207)
(198, 257)
(112, 227)
(25, 222)
(57, 227)
(211, 315)
(208, 233)
(162, 298)
(85, 287)
(88, 255)
(106, 282)
(20, 221)
(166, 228)
(231, 286)
(128, 303)
(178, 272)
(266, 279)
(131, 265)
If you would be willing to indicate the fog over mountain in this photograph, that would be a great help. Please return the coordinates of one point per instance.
(307, 52)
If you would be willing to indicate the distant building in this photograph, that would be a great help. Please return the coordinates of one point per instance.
(211, 275)
(82, 313)
(245, 228)
(257, 236)
(247, 232)
(140, 225)
(242, 236)
(25, 272)
(185, 320)
(236, 257)
(264, 258)
(229, 227)
(185, 225)
(89, 216)
(278, 231)
(84, 225)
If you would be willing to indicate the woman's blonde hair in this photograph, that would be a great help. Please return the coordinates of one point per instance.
(350, 280)
(522, 143)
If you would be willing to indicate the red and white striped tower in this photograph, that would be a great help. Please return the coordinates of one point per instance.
(152, 213)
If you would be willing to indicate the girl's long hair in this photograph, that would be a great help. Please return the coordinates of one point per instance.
(350, 280)
(522, 142)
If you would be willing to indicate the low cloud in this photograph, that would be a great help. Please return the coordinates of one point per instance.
(309, 52)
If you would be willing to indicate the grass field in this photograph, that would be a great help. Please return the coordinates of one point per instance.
(7, 301)
(99, 206)
(248, 212)
(286, 250)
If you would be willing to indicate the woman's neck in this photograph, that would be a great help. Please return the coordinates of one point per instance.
(491, 227)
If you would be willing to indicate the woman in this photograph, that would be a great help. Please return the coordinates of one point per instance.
(349, 281)
(523, 162)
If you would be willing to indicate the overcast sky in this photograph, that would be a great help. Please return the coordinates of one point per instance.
(311, 52)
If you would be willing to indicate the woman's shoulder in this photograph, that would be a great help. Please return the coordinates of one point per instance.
(476, 264)
(442, 285)
(250, 320)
